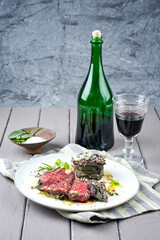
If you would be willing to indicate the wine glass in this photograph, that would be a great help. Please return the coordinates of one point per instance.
(130, 110)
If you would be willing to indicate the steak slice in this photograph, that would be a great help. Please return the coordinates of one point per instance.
(53, 181)
(43, 178)
(64, 186)
(79, 191)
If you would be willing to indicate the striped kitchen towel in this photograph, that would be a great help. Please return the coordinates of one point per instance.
(147, 199)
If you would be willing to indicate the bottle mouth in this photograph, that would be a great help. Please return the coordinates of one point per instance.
(96, 40)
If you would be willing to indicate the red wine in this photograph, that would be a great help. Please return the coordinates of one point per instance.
(129, 123)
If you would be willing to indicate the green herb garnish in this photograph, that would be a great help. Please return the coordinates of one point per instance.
(46, 167)
(35, 131)
(20, 136)
(58, 163)
(113, 182)
(65, 165)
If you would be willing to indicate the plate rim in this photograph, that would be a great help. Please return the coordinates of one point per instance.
(69, 209)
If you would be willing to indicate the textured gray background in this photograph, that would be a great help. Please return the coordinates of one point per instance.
(45, 48)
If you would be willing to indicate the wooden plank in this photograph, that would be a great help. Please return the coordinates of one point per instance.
(87, 231)
(4, 113)
(56, 119)
(99, 231)
(41, 222)
(12, 203)
(73, 124)
(44, 223)
(149, 141)
(146, 226)
(157, 109)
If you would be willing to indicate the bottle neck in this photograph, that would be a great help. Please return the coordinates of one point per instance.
(96, 53)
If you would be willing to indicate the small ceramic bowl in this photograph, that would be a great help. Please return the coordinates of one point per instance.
(33, 148)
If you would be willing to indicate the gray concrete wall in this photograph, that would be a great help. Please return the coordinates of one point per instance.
(45, 48)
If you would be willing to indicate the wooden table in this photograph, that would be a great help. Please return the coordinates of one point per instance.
(21, 218)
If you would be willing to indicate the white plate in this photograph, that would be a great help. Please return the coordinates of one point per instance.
(126, 178)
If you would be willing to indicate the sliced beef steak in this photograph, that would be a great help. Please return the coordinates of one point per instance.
(79, 191)
(64, 186)
(44, 178)
(53, 181)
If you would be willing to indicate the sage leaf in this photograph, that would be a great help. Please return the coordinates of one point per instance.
(15, 134)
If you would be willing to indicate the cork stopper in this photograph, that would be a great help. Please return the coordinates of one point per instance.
(96, 33)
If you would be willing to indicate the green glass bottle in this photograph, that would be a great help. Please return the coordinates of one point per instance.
(95, 107)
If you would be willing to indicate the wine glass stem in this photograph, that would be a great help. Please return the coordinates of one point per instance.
(128, 150)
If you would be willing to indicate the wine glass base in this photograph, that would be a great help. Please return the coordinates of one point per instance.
(135, 158)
